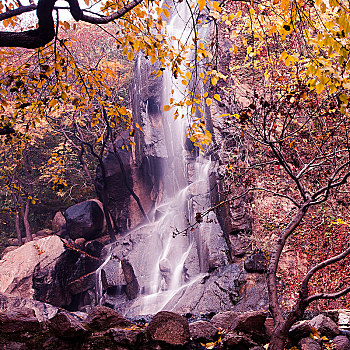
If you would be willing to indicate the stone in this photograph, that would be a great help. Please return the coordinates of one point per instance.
(299, 330)
(309, 344)
(132, 286)
(233, 341)
(203, 331)
(80, 241)
(128, 337)
(19, 320)
(66, 325)
(341, 342)
(44, 232)
(250, 322)
(325, 326)
(17, 267)
(43, 312)
(256, 262)
(58, 222)
(224, 319)
(85, 220)
(170, 328)
(102, 318)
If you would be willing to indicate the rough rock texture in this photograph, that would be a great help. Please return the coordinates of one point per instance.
(17, 267)
(256, 262)
(224, 319)
(43, 312)
(249, 322)
(203, 331)
(86, 220)
(170, 328)
(325, 326)
(309, 344)
(102, 318)
(58, 222)
(67, 326)
(237, 342)
(341, 342)
(18, 320)
(300, 330)
(125, 337)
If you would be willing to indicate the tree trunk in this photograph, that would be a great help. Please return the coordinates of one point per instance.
(278, 340)
(18, 229)
(26, 223)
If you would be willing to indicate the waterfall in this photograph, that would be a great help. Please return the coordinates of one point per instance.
(165, 265)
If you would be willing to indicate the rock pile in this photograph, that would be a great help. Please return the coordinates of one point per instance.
(104, 328)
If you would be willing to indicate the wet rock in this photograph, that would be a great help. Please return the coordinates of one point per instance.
(112, 274)
(256, 262)
(19, 320)
(128, 337)
(300, 330)
(102, 318)
(325, 326)
(66, 325)
(85, 220)
(341, 342)
(169, 328)
(132, 286)
(203, 331)
(309, 344)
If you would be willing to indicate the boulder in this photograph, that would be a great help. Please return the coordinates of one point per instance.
(233, 341)
(170, 328)
(309, 344)
(85, 220)
(256, 262)
(17, 266)
(58, 222)
(43, 312)
(128, 337)
(224, 319)
(19, 320)
(66, 325)
(132, 286)
(341, 342)
(102, 318)
(250, 322)
(299, 330)
(325, 326)
(44, 232)
(203, 331)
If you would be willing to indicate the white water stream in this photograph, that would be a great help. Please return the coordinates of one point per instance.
(185, 191)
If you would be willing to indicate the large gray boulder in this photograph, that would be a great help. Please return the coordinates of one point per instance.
(85, 220)
(17, 266)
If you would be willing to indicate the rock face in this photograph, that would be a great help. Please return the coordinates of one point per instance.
(85, 220)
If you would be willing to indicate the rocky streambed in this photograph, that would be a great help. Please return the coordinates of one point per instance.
(25, 324)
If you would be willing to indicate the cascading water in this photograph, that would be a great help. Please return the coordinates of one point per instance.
(165, 265)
